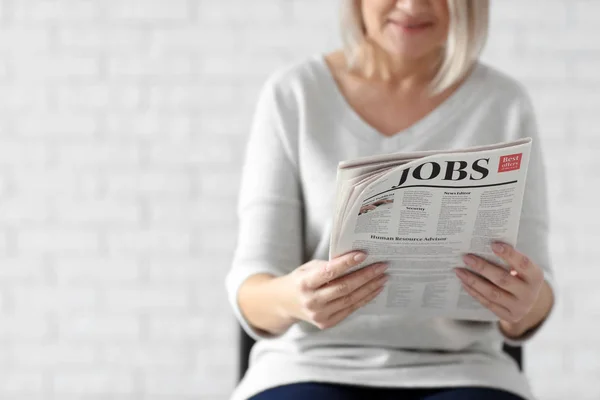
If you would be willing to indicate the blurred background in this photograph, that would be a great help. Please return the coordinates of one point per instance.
(122, 127)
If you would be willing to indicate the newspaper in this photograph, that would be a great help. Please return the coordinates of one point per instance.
(421, 212)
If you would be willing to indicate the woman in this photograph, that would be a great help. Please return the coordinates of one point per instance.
(409, 79)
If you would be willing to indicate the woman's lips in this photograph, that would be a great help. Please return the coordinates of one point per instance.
(412, 27)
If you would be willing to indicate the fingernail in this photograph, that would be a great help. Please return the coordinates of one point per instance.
(384, 279)
(360, 257)
(497, 247)
(469, 261)
(459, 272)
(381, 268)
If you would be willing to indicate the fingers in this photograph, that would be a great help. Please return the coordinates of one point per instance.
(339, 316)
(345, 285)
(487, 290)
(525, 269)
(333, 269)
(498, 275)
(497, 309)
(356, 295)
(510, 295)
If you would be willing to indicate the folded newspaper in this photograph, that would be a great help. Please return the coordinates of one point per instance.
(421, 212)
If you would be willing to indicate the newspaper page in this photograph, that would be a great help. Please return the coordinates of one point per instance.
(423, 215)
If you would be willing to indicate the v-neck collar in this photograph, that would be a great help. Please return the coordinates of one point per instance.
(442, 113)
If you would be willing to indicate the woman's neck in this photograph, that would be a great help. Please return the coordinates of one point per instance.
(400, 72)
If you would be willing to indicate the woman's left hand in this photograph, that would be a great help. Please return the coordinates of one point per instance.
(510, 294)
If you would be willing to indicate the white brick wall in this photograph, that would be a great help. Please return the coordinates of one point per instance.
(120, 121)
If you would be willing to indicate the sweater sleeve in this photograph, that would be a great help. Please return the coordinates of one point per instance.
(534, 226)
(269, 204)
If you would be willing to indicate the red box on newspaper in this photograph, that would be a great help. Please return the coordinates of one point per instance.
(511, 162)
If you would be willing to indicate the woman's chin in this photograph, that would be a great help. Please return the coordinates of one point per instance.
(407, 53)
(409, 47)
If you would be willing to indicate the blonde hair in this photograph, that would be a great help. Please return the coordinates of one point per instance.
(467, 34)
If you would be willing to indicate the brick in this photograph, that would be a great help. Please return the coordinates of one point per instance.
(21, 383)
(140, 299)
(4, 70)
(222, 67)
(20, 40)
(114, 40)
(7, 247)
(140, 67)
(146, 357)
(106, 213)
(112, 396)
(22, 270)
(56, 241)
(559, 99)
(99, 382)
(278, 40)
(23, 328)
(515, 12)
(177, 384)
(63, 355)
(147, 183)
(311, 13)
(148, 126)
(553, 128)
(213, 239)
(192, 154)
(54, 125)
(98, 328)
(263, 12)
(23, 97)
(163, 269)
(151, 11)
(501, 45)
(578, 331)
(177, 212)
(35, 12)
(218, 124)
(26, 152)
(585, 13)
(251, 65)
(586, 70)
(194, 39)
(214, 183)
(47, 299)
(557, 389)
(98, 155)
(588, 236)
(585, 127)
(177, 328)
(204, 299)
(94, 270)
(48, 183)
(44, 68)
(527, 69)
(188, 97)
(584, 361)
(587, 299)
(149, 241)
(557, 41)
(98, 97)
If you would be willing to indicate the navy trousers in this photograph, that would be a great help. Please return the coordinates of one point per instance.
(326, 391)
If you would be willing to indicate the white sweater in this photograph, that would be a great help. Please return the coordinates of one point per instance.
(303, 126)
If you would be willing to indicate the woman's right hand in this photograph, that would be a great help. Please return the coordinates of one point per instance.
(318, 293)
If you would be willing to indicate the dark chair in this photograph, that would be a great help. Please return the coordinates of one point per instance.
(246, 343)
